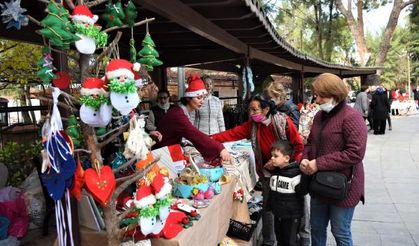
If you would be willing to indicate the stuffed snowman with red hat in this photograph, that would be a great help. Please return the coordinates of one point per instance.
(96, 110)
(90, 34)
(162, 190)
(122, 86)
(144, 200)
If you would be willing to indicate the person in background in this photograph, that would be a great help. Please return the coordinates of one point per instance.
(286, 197)
(209, 118)
(370, 118)
(264, 127)
(381, 108)
(176, 125)
(337, 143)
(390, 101)
(361, 103)
(416, 95)
(277, 92)
(159, 110)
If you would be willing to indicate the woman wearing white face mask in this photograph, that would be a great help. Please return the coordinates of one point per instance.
(337, 142)
(264, 127)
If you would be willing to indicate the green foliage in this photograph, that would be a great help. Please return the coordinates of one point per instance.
(18, 160)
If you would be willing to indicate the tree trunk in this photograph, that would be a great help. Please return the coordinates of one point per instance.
(25, 114)
(385, 44)
(357, 29)
(329, 42)
(317, 12)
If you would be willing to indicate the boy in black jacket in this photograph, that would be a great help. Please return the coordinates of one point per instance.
(286, 198)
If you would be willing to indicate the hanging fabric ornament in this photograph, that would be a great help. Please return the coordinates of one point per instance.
(132, 50)
(95, 110)
(148, 53)
(57, 26)
(130, 13)
(12, 14)
(46, 69)
(100, 182)
(124, 95)
(89, 33)
(136, 147)
(247, 77)
(78, 181)
(114, 14)
(73, 130)
(62, 80)
(118, 160)
(62, 165)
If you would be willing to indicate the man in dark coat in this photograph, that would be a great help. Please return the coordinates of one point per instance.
(381, 108)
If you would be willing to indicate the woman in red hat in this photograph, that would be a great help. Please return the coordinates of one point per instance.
(176, 124)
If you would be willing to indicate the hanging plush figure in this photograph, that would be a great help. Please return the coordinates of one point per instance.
(89, 34)
(95, 110)
(136, 145)
(124, 95)
(12, 14)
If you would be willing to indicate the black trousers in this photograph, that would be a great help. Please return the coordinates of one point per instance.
(286, 231)
(379, 126)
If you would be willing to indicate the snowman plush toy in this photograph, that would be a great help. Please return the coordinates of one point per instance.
(96, 110)
(122, 86)
(89, 33)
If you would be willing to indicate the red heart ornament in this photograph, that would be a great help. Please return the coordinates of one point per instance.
(101, 185)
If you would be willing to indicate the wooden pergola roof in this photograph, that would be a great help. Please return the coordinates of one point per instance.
(211, 34)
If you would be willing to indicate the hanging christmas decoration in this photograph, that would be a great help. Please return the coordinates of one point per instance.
(136, 142)
(46, 69)
(95, 110)
(120, 74)
(62, 80)
(57, 26)
(100, 182)
(114, 14)
(12, 14)
(85, 28)
(73, 130)
(148, 53)
(130, 13)
(247, 77)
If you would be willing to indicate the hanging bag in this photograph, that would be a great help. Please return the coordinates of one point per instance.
(329, 184)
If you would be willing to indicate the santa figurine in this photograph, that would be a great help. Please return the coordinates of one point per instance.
(121, 83)
(162, 189)
(85, 28)
(144, 200)
(96, 110)
(144, 196)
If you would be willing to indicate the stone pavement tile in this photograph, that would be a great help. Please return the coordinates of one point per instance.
(375, 193)
(408, 212)
(406, 180)
(403, 193)
(377, 212)
(401, 172)
(413, 227)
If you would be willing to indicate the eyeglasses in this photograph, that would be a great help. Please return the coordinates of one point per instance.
(163, 98)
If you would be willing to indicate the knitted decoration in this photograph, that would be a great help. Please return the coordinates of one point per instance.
(130, 13)
(95, 101)
(57, 26)
(94, 32)
(73, 130)
(122, 88)
(46, 69)
(114, 14)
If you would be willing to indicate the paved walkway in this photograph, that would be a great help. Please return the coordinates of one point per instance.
(390, 215)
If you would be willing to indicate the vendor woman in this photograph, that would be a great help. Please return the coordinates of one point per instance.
(176, 124)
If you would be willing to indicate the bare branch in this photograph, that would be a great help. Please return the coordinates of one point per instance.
(113, 136)
(64, 53)
(405, 4)
(127, 26)
(62, 105)
(132, 178)
(70, 4)
(8, 48)
(34, 20)
(105, 51)
(44, 1)
(83, 150)
(112, 131)
(94, 3)
(125, 213)
(125, 165)
(72, 98)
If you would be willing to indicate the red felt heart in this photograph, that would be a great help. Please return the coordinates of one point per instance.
(102, 185)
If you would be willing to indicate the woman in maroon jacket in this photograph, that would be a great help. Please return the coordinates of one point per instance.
(176, 125)
(337, 142)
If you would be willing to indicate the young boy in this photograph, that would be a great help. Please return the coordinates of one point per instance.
(286, 197)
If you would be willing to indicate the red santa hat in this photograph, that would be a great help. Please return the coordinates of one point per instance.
(81, 13)
(119, 67)
(196, 87)
(144, 196)
(161, 186)
(94, 86)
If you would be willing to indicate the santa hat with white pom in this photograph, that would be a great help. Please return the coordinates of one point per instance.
(161, 186)
(81, 13)
(144, 196)
(119, 67)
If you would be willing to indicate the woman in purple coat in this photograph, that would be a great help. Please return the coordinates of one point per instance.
(337, 142)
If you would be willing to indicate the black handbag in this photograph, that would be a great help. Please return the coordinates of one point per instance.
(329, 184)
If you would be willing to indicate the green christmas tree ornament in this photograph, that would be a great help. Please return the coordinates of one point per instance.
(73, 130)
(45, 72)
(149, 54)
(57, 26)
(114, 14)
(130, 13)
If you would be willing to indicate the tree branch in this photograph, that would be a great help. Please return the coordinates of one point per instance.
(105, 51)
(70, 4)
(126, 26)
(64, 53)
(405, 4)
(125, 213)
(112, 131)
(62, 105)
(125, 165)
(34, 20)
(94, 3)
(83, 150)
(113, 136)
(132, 178)
(72, 98)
